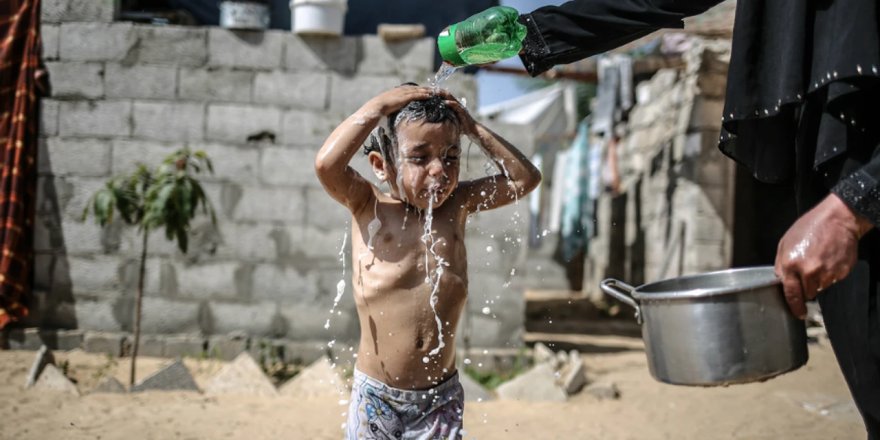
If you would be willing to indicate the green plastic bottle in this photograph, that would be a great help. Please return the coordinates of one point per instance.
(485, 37)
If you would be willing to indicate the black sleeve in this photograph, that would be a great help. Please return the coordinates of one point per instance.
(861, 189)
(582, 28)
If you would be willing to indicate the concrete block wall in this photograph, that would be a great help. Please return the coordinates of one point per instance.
(675, 213)
(260, 104)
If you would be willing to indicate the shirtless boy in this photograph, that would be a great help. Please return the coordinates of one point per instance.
(409, 281)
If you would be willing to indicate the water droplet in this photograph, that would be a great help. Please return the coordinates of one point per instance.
(835, 74)
(425, 360)
(467, 361)
(488, 248)
(859, 68)
(486, 310)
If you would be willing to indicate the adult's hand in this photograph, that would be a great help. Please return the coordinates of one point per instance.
(819, 249)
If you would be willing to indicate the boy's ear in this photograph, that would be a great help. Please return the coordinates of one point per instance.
(377, 162)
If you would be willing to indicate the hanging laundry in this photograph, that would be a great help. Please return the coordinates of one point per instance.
(576, 218)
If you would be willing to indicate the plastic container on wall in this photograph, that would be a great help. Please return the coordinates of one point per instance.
(244, 15)
(318, 17)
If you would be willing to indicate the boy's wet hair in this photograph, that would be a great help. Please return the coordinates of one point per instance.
(433, 110)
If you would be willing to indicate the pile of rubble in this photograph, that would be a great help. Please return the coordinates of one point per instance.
(553, 377)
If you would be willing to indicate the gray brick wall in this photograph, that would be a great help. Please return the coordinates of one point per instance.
(260, 104)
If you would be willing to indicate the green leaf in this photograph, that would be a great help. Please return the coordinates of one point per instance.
(182, 239)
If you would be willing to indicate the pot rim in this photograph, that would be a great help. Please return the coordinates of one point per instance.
(753, 278)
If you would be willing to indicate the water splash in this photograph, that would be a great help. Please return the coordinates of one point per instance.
(433, 277)
(443, 73)
(340, 286)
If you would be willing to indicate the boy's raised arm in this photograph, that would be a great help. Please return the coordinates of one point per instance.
(341, 181)
(518, 176)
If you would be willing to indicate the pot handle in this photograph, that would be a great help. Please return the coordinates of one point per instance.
(623, 292)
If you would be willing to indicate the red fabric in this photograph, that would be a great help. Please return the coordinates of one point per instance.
(19, 118)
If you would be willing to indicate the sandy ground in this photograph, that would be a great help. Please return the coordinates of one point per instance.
(811, 403)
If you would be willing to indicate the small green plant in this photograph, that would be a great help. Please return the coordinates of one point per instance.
(492, 379)
(168, 197)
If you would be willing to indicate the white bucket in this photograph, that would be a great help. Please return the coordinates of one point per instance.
(318, 17)
(244, 15)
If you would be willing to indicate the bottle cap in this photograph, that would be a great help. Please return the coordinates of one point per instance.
(448, 48)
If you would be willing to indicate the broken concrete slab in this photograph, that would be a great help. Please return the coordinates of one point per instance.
(318, 379)
(542, 354)
(52, 379)
(537, 384)
(109, 384)
(473, 391)
(603, 390)
(241, 376)
(44, 357)
(573, 375)
(174, 377)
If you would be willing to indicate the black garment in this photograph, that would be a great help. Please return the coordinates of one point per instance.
(801, 108)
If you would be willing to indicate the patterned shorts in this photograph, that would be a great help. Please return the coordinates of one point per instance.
(377, 411)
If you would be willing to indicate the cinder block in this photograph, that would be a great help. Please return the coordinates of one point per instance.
(215, 85)
(308, 128)
(252, 241)
(96, 41)
(175, 45)
(226, 347)
(245, 49)
(185, 346)
(348, 94)
(303, 353)
(48, 117)
(215, 280)
(74, 157)
(316, 242)
(108, 343)
(88, 274)
(231, 162)
(169, 121)
(235, 123)
(324, 212)
(284, 284)
(128, 153)
(24, 339)
(140, 81)
(270, 204)
(706, 114)
(311, 54)
(54, 11)
(94, 118)
(151, 345)
(298, 90)
(65, 340)
(306, 322)
(81, 238)
(252, 319)
(287, 166)
(164, 316)
(49, 35)
(77, 193)
(412, 59)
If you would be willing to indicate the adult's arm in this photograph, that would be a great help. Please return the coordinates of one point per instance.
(581, 28)
(822, 245)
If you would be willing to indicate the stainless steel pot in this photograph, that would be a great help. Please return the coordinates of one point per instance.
(717, 328)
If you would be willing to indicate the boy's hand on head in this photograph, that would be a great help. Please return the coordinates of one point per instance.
(395, 99)
(468, 124)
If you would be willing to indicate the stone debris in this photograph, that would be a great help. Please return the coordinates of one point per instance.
(603, 390)
(241, 376)
(473, 391)
(542, 354)
(52, 379)
(109, 384)
(318, 379)
(174, 377)
(537, 384)
(573, 375)
(44, 357)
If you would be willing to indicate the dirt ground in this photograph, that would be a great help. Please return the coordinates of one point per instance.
(811, 403)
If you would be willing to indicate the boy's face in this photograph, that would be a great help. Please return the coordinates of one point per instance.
(427, 165)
